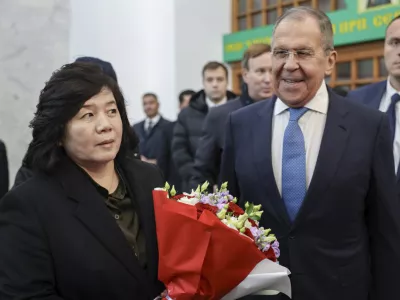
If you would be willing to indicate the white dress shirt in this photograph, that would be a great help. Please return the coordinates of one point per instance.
(154, 121)
(312, 124)
(211, 104)
(384, 105)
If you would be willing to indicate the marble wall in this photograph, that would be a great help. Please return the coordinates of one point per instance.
(34, 41)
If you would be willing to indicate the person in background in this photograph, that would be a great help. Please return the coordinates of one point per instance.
(256, 73)
(150, 130)
(184, 98)
(83, 226)
(25, 172)
(165, 159)
(188, 129)
(321, 166)
(4, 176)
(385, 95)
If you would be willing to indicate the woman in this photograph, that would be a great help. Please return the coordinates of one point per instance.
(83, 226)
(25, 172)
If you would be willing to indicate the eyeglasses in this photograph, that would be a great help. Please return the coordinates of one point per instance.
(299, 55)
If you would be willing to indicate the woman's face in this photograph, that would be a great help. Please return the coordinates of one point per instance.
(93, 136)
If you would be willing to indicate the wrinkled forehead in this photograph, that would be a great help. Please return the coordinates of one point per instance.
(297, 33)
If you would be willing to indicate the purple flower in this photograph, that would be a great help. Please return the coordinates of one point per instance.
(266, 247)
(275, 247)
(220, 206)
(255, 232)
(205, 199)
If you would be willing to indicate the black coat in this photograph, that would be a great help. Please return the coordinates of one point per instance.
(344, 242)
(208, 154)
(165, 160)
(59, 240)
(187, 134)
(4, 176)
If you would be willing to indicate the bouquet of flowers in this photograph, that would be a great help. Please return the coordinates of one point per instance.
(210, 248)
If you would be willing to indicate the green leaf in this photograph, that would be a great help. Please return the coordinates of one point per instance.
(198, 189)
(224, 187)
(255, 217)
(173, 191)
(250, 209)
(167, 186)
(204, 187)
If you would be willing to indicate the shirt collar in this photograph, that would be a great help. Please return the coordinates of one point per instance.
(154, 120)
(319, 103)
(390, 90)
(212, 104)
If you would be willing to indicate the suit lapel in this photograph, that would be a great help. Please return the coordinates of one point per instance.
(374, 100)
(261, 141)
(333, 144)
(94, 215)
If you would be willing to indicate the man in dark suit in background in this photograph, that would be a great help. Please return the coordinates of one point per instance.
(165, 160)
(385, 95)
(4, 176)
(150, 130)
(256, 72)
(322, 168)
(188, 128)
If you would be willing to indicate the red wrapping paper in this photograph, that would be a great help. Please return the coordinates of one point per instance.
(199, 258)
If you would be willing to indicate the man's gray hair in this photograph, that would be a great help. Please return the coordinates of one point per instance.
(300, 13)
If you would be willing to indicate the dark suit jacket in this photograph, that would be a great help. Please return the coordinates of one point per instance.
(346, 237)
(165, 160)
(3, 170)
(61, 242)
(208, 154)
(150, 143)
(371, 95)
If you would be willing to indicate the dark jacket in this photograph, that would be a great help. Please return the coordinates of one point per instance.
(150, 143)
(165, 160)
(61, 242)
(187, 133)
(344, 242)
(3, 170)
(208, 154)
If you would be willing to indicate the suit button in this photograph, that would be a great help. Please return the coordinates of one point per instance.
(116, 217)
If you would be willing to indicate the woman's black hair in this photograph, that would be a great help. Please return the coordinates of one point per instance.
(60, 100)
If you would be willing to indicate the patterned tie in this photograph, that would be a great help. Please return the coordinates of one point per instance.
(150, 126)
(294, 185)
(391, 113)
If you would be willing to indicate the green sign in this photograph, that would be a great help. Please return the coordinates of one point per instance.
(359, 22)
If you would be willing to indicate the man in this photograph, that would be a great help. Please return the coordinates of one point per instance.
(3, 170)
(188, 129)
(165, 159)
(184, 98)
(322, 168)
(150, 130)
(256, 72)
(384, 95)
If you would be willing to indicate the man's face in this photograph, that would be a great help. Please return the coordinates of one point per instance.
(258, 77)
(185, 102)
(150, 106)
(392, 49)
(215, 84)
(299, 62)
